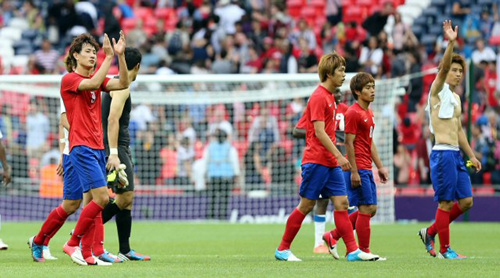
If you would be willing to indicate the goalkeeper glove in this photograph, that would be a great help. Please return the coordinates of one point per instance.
(118, 177)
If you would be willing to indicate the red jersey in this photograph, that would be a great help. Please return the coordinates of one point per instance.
(321, 107)
(360, 122)
(301, 124)
(83, 109)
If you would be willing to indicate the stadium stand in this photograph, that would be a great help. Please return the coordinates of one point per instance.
(203, 36)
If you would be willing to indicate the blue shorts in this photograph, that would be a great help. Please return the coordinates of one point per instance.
(321, 180)
(366, 194)
(73, 189)
(90, 166)
(449, 176)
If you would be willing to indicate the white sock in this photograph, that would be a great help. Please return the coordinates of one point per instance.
(319, 229)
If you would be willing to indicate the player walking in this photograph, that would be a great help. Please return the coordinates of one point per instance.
(361, 151)
(321, 174)
(81, 93)
(116, 107)
(449, 175)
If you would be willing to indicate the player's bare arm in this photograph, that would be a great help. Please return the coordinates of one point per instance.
(89, 52)
(464, 145)
(383, 173)
(351, 156)
(5, 165)
(63, 124)
(319, 131)
(124, 80)
(299, 133)
(118, 99)
(445, 64)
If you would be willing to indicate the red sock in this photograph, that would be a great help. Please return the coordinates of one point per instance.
(345, 230)
(363, 230)
(352, 217)
(54, 222)
(292, 228)
(443, 227)
(98, 245)
(454, 214)
(88, 240)
(86, 219)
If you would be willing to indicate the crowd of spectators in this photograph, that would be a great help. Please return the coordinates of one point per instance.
(253, 36)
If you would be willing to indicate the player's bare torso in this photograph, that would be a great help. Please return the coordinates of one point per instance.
(445, 130)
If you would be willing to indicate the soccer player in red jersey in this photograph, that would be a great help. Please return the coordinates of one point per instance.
(361, 151)
(81, 93)
(322, 162)
(322, 203)
(72, 198)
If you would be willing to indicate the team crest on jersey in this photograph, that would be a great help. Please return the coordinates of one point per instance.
(93, 97)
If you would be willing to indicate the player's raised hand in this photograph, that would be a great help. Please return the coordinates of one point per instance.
(106, 46)
(449, 33)
(344, 163)
(383, 174)
(120, 45)
(355, 180)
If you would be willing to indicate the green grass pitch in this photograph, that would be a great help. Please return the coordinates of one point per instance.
(239, 250)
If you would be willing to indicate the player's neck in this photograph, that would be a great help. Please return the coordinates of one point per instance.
(82, 71)
(364, 104)
(328, 86)
(452, 87)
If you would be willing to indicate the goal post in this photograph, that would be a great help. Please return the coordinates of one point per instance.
(174, 121)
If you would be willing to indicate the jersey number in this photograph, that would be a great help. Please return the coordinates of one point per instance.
(372, 127)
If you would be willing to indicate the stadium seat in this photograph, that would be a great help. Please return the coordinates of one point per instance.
(319, 5)
(440, 3)
(308, 13)
(485, 2)
(11, 33)
(294, 7)
(430, 11)
(128, 23)
(495, 40)
(353, 13)
(143, 12)
(417, 30)
(19, 23)
(374, 8)
(29, 34)
(435, 30)
(428, 39)
(348, 3)
(163, 13)
(366, 3)
(24, 50)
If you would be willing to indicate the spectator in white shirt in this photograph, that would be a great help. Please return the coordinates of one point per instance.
(482, 53)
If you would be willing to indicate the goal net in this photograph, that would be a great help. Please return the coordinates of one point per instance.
(204, 146)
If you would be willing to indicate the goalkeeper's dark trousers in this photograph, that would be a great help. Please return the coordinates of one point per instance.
(219, 190)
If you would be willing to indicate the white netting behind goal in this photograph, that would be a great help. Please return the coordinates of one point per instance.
(174, 121)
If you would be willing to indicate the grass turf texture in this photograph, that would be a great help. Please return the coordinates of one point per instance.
(225, 250)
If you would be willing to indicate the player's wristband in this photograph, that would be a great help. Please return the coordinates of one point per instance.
(62, 141)
(113, 151)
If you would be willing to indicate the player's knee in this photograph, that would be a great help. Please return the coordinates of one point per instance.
(71, 206)
(466, 204)
(101, 200)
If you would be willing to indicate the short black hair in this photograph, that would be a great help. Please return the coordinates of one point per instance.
(133, 57)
